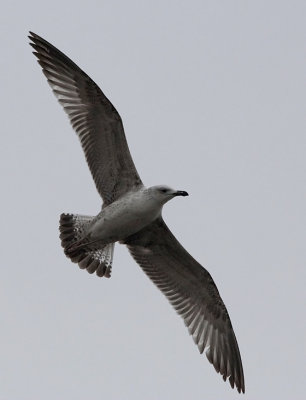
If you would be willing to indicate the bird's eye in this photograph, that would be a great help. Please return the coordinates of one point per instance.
(163, 190)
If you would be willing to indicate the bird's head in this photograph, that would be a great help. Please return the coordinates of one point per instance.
(163, 193)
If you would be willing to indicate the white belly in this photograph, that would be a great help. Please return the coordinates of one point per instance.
(123, 218)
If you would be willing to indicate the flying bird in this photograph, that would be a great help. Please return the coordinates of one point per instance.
(131, 215)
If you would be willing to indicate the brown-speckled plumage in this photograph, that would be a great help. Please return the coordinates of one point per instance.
(187, 285)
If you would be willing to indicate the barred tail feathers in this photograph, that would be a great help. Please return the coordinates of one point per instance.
(73, 227)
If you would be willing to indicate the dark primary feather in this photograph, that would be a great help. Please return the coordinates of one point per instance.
(193, 293)
(95, 120)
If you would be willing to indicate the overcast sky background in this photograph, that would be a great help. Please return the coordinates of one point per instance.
(213, 97)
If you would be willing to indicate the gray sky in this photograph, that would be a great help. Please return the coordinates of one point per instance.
(215, 92)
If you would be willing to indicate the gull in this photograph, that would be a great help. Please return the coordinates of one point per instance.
(131, 215)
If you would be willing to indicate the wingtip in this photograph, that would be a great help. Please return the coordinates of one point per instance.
(32, 38)
(32, 35)
(239, 386)
(35, 38)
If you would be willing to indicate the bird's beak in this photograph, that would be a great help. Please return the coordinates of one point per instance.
(180, 193)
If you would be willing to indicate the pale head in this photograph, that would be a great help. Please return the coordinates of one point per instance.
(163, 193)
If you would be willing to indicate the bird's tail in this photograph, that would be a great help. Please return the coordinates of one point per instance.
(73, 228)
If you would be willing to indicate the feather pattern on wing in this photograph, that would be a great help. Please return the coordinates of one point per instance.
(95, 120)
(194, 295)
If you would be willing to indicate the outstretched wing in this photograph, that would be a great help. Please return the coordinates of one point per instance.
(95, 120)
(193, 293)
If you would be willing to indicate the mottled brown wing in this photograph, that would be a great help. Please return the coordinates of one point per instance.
(95, 120)
(193, 293)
